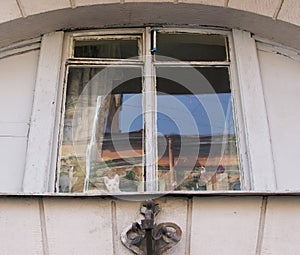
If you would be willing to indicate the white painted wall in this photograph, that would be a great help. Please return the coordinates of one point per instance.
(281, 82)
(17, 80)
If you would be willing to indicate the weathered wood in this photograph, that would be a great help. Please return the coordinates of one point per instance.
(258, 139)
(12, 157)
(13, 129)
(282, 226)
(20, 226)
(226, 224)
(88, 225)
(149, 104)
(79, 226)
(18, 74)
(43, 115)
(280, 76)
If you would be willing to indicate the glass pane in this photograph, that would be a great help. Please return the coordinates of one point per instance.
(106, 48)
(102, 143)
(191, 47)
(195, 128)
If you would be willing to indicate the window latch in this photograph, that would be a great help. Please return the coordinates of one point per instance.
(148, 238)
(153, 41)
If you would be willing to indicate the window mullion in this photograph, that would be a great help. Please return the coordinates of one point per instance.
(150, 116)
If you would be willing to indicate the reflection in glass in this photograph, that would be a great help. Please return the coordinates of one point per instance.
(191, 47)
(106, 48)
(195, 128)
(102, 142)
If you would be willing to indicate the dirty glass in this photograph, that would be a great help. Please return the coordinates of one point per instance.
(196, 136)
(110, 48)
(102, 139)
(191, 47)
(188, 127)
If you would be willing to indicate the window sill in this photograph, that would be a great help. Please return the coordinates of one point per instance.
(133, 196)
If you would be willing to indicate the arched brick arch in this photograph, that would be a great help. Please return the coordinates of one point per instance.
(274, 19)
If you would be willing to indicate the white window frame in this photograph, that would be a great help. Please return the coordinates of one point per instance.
(252, 128)
(41, 138)
(254, 113)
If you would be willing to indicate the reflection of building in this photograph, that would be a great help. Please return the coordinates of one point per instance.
(267, 75)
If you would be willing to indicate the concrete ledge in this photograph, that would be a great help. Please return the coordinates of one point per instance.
(286, 10)
(151, 14)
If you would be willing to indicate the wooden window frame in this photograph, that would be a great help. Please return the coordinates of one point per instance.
(252, 127)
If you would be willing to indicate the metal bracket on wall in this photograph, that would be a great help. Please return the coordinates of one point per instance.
(148, 238)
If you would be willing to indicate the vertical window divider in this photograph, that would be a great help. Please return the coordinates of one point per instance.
(150, 117)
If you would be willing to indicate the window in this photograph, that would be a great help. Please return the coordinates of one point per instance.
(148, 110)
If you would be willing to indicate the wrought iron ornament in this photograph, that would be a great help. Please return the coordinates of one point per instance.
(148, 238)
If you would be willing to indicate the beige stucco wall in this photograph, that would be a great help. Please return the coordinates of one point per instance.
(210, 225)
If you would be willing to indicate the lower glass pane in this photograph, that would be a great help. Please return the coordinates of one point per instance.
(195, 130)
(102, 141)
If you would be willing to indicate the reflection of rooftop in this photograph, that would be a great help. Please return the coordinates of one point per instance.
(186, 150)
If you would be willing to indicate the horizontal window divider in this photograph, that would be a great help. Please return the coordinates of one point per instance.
(103, 62)
(194, 30)
(110, 37)
(109, 32)
(191, 63)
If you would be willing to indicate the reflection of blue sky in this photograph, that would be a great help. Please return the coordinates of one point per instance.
(203, 114)
(131, 113)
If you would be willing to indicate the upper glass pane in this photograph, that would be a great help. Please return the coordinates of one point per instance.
(102, 144)
(103, 47)
(191, 47)
(195, 130)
